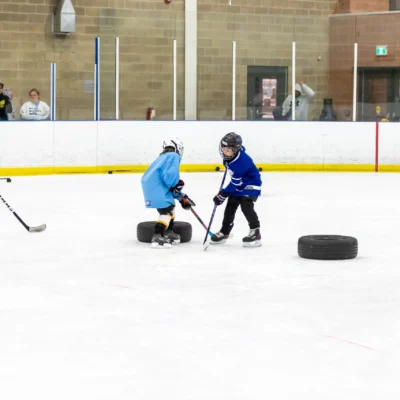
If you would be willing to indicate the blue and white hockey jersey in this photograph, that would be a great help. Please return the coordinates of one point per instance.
(245, 176)
(157, 181)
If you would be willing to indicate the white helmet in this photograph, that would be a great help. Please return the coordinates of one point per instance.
(176, 143)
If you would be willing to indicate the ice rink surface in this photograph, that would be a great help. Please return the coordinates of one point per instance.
(88, 313)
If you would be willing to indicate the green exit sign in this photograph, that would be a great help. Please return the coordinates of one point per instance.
(381, 50)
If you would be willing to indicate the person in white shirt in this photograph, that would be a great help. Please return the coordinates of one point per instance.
(304, 95)
(35, 109)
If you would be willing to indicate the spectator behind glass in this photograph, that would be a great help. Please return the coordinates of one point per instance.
(35, 109)
(4, 104)
(304, 95)
(10, 109)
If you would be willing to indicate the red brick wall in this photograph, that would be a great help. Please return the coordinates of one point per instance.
(356, 6)
(368, 5)
(368, 31)
(343, 6)
(341, 50)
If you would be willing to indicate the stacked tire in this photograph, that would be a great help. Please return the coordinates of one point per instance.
(145, 230)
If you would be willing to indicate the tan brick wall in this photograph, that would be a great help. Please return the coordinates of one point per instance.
(146, 30)
(264, 31)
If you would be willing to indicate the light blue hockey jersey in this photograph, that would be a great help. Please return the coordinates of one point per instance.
(157, 181)
(245, 176)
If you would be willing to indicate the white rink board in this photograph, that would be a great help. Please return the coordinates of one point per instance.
(389, 143)
(347, 142)
(91, 143)
(131, 142)
(75, 143)
(26, 144)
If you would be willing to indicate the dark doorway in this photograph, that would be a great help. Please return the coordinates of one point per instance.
(266, 89)
(378, 94)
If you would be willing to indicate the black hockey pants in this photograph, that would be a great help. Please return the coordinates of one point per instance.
(247, 205)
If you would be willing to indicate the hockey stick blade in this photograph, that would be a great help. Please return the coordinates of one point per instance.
(39, 228)
(206, 244)
(213, 213)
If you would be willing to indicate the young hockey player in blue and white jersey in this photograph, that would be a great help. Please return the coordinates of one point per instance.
(243, 189)
(161, 185)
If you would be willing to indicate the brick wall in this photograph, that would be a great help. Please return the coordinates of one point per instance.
(368, 31)
(343, 6)
(264, 31)
(146, 30)
(356, 6)
(369, 5)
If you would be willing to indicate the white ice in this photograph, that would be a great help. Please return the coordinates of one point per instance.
(88, 313)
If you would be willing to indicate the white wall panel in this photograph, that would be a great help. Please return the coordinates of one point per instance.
(139, 142)
(91, 143)
(26, 144)
(347, 142)
(75, 143)
(389, 143)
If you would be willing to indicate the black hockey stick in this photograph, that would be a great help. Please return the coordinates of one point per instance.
(39, 228)
(197, 216)
(205, 244)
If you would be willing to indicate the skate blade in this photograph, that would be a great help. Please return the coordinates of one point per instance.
(256, 243)
(161, 246)
(220, 242)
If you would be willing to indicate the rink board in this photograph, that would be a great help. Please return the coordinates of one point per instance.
(69, 147)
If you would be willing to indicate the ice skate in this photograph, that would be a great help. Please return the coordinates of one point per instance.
(218, 238)
(253, 239)
(159, 241)
(172, 236)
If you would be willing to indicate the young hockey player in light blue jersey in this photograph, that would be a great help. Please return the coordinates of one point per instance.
(161, 186)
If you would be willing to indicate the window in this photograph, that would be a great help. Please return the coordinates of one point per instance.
(394, 5)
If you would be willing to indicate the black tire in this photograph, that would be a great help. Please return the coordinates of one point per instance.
(145, 231)
(327, 247)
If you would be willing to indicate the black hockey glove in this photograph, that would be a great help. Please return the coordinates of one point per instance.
(186, 202)
(220, 198)
(178, 187)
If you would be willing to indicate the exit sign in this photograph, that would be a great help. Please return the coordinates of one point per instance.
(381, 50)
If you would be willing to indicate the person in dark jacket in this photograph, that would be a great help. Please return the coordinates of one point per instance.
(5, 104)
(277, 112)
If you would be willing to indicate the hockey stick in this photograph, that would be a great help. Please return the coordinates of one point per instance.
(5, 179)
(197, 216)
(205, 245)
(39, 228)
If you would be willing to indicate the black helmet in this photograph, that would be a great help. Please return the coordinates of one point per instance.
(232, 140)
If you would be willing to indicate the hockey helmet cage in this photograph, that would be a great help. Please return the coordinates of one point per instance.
(232, 140)
(176, 143)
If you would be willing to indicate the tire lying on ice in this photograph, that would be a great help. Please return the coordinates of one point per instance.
(327, 247)
(145, 231)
